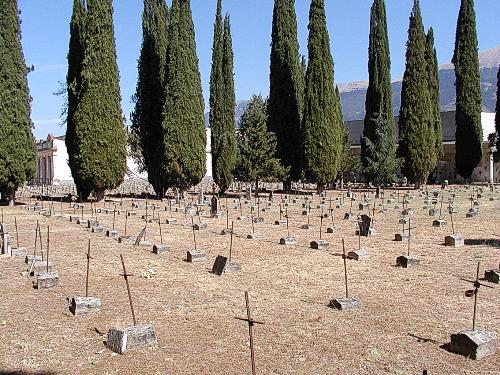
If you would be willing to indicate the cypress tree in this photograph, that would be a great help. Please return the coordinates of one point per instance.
(377, 167)
(74, 82)
(99, 158)
(286, 89)
(497, 119)
(416, 128)
(257, 159)
(433, 79)
(183, 123)
(321, 123)
(150, 92)
(17, 146)
(469, 133)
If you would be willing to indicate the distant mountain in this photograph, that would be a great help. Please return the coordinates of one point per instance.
(353, 94)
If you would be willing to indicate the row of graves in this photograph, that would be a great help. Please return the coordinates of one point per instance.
(319, 218)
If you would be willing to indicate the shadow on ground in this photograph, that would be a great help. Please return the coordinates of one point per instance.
(493, 242)
(21, 372)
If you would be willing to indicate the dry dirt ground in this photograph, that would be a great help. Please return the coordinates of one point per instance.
(406, 317)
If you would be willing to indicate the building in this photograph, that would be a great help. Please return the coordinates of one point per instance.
(486, 171)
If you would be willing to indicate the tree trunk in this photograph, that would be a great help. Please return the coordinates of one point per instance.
(320, 188)
(99, 195)
(287, 186)
(342, 182)
(12, 198)
(257, 188)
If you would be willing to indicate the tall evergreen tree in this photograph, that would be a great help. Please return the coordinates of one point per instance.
(286, 89)
(17, 146)
(469, 133)
(433, 79)
(98, 161)
(150, 92)
(183, 123)
(257, 159)
(222, 104)
(321, 123)
(74, 81)
(377, 167)
(416, 128)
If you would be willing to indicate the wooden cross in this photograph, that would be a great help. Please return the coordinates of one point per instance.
(470, 293)
(251, 323)
(344, 257)
(88, 268)
(126, 276)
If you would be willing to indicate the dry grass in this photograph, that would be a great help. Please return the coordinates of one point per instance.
(407, 314)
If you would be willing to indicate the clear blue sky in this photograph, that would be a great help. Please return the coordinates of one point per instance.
(45, 31)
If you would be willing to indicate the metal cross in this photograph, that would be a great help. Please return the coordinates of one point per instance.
(474, 292)
(48, 246)
(126, 276)
(231, 242)
(251, 322)
(88, 268)
(344, 256)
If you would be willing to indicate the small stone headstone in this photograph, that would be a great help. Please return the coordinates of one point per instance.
(47, 280)
(439, 223)
(474, 344)
(232, 267)
(172, 220)
(97, 229)
(254, 236)
(199, 226)
(401, 237)
(112, 233)
(280, 222)
(289, 240)
(319, 244)
(365, 225)
(332, 229)
(161, 249)
(492, 276)
(405, 261)
(214, 207)
(126, 239)
(306, 226)
(85, 305)
(39, 266)
(219, 265)
(196, 256)
(454, 240)
(358, 254)
(121, 340)
(345, 303)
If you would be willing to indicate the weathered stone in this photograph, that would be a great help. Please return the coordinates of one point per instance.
(280, 222)
(455, 240)
(401, 237)
(219, 265)
(121, 340)
(131, 213)
(471, 214)
(349, 216)
(85, 305)
(39, 266)
(306, 226)
(145, 243)
(345, 303)
(433, 212)
(19, 252)
(161, 249)
(259, 219)
(92, 223)
(254, 236)
(45, 280)
(232, 267)
(319, 244)
(439, 223)
(407, 261)
(492, 276)
(332, 229)
(358, 254)
(225, 231)
(474, 344)
(111, 233)
(200, 226)
(289, 240)
(172, 220)
(126, 239)
(196, 256)
(29, 258)
(97, 229)
(74, 219)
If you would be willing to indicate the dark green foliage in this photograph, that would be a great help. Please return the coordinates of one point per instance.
(469, 133)
(98, 160)
(257, 159)
(147, 131)
(416, 128)
(222, 104)
(433, 77)
(286, 88)
(378, 103)
(17, 146)
(497, 119)
(74, 81)
(183, 123)
(321, 122)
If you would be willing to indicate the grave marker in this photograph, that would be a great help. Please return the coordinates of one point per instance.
(47, 279)
(407, 261)
(455, 239)
(196, 255)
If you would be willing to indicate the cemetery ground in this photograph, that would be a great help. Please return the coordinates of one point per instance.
(403, 326)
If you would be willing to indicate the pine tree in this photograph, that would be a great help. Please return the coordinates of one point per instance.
(433, 79)
(17, 146)
(286, 89)
(379, 102)
(183, 124)
(150, 92)
(321, 122)
(257, 159)
(99, 143)
(469, 133)
(74, 82)
(222, 104)
(416, 125)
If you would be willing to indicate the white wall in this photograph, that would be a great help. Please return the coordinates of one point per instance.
(61, 167)
(208, 149)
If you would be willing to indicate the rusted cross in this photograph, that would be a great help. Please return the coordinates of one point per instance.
(231, 242)
(126, 276)
(88, 268)
(474, 292)
(344, 256)
(251, 323)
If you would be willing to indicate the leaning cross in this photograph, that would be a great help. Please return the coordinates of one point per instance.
(126, 276)
(470, 293)
(251, 322)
